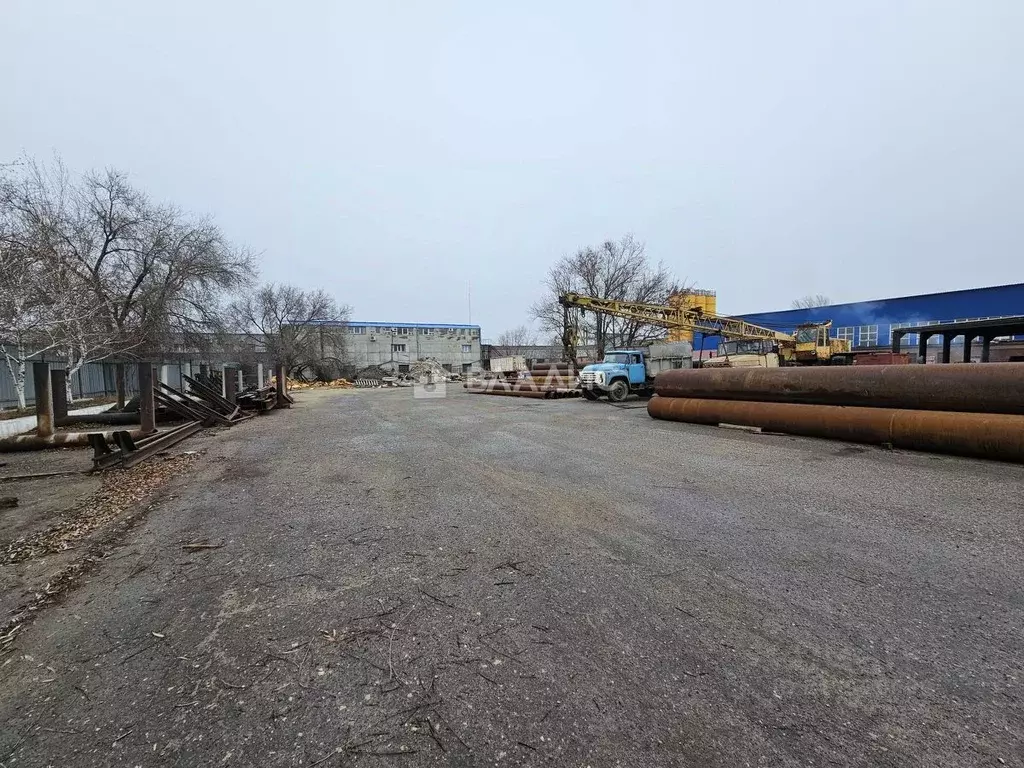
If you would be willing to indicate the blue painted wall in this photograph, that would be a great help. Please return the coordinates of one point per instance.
(858, 318)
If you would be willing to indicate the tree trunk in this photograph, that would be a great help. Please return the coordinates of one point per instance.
(75, 363)
(16, 367)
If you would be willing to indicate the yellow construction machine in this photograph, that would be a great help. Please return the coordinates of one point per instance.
(743, 343)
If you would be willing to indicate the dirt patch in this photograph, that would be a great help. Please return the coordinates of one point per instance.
(38, 565)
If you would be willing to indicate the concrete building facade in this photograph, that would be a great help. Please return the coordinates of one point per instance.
(395, 346)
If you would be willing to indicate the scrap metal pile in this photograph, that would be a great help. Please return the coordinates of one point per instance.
(183, 412)
(546, 381)
(200, 405)
(968, 410)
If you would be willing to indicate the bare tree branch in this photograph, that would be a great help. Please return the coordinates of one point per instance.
(811, 301)
(614, 270)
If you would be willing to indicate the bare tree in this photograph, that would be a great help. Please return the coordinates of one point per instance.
(304, 330)
(515, 342)
(132, 277)
(811, 300)
(614, 270)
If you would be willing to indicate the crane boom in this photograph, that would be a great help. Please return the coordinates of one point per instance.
(674, 318)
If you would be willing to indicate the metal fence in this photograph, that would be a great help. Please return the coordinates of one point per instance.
(98, 379)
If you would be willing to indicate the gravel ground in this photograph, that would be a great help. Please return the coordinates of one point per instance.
(479, 580)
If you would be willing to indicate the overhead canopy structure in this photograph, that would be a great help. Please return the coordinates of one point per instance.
(986, 330)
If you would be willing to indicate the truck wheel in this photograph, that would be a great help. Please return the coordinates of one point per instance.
(618, 390)
(590, 395)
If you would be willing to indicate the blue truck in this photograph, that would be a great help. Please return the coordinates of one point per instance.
(631, 371)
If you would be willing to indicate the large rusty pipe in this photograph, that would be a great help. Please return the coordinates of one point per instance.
(544, 367)
(59, 440)
(534, 393)
(989, 388)
(987, 436)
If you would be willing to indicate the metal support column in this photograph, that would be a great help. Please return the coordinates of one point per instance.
(59, 390)
(897, 339)
(230, 381)
(147, 405)
(986, 348)
(922, 348)
(282, 391)
(119, 385)
(44, 399)
(259, 375)
(947, 341)
(967, 348)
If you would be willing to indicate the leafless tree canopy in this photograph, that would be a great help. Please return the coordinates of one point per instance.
(811, 301)
(122, 275)
(614, 270)
(514, 342)
(304, 330)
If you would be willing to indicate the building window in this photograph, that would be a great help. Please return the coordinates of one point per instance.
(426, 331)
(868, 336)
(845, 334)
(467, 348)
(357, 329)
(403, 368)
(398, 347)
(402, 331)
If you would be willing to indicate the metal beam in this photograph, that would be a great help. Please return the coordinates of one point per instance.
(44, 399)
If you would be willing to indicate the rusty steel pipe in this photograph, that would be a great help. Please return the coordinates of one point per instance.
(544, 367)
(537, 394)
(59, 440)
(980, 388)
(981, 435)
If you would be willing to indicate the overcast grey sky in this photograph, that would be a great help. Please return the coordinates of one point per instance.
(394, 152)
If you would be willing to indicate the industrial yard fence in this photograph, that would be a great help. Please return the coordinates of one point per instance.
(98, 379)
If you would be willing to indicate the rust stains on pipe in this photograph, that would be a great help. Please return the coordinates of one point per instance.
(977, 388)
(534, 393)
(987, 436)
(59, 440)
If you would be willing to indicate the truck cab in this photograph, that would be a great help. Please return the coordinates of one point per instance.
(632, 371)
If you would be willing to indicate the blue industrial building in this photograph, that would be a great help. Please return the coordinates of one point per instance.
(870, 323)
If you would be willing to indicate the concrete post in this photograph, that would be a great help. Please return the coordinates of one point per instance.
(986, 348)
(59, 390)
(947, 341)
(967, 348)
(224, 379)
(147, 405)
(241, 380)
(119, 385)
(922, 348)
(44, 399)
(259, 375)
(897, 339)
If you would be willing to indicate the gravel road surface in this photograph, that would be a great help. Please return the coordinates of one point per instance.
(478, 580)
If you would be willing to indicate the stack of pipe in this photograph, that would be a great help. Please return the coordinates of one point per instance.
(968, 410)
(558, 378)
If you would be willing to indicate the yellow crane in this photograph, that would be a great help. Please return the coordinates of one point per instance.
(810, 344)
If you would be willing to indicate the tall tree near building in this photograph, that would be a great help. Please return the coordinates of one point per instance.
(812, 300)
(132, 277)
(514, 342)
(304, 330)
(613, 270)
